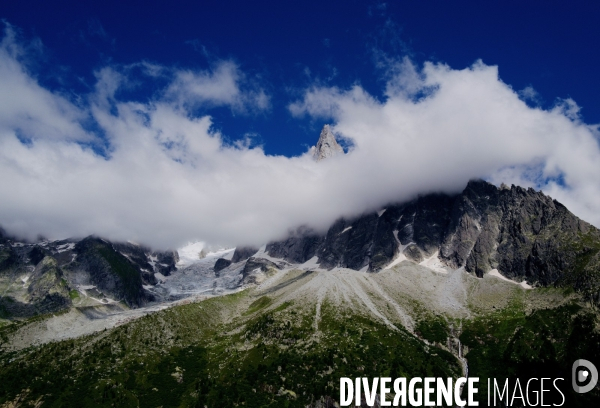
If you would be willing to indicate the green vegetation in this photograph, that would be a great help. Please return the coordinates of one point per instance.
(259, 304)
(434, 330)
(240, 350)
(74, 294)
(545, 343)
(184, 357)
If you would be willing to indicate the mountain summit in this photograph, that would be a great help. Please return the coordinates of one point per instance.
(327, 146)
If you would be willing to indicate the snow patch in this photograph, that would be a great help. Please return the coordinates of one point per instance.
(310, 264)
(400, 257)
(380, 212)
(65, 247)
(189, 254)
(346, 229)
(226, 253)
(262, 254)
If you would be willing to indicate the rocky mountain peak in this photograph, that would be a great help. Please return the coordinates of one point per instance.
(327, 146)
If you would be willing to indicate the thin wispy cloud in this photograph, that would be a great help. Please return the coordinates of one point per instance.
(220, 86)
(169, 177)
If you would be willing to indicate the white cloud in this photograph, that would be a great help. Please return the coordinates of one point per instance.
(530, 94)
(170, 178)
(467, 124)
(28, 109)
(218, 87)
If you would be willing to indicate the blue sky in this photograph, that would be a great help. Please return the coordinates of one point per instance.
(170, 123)
(284, 47)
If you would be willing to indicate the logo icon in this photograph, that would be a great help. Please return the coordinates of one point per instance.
(585, 376)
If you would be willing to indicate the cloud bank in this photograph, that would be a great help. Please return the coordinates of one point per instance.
(168, 177)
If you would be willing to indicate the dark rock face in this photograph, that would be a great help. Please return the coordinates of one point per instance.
(147, 260)
(48, 292)
(110, 271)
(221, 263)
(37, 254)
(48, 288)
(254, 265)
(8, 258)
(243, 253)
(521, 232)
(118, 270)
(136, 254)
(298, 248)
(372, 239)
(167, 261)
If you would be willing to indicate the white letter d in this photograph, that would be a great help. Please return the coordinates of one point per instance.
(346, 395)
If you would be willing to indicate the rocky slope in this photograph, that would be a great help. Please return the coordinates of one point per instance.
(286, 341)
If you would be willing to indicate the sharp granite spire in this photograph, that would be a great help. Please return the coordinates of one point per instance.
(327, 146)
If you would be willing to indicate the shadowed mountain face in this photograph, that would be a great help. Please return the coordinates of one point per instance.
(522, 233)
(44, 277)
(110, 270)
(47, 291)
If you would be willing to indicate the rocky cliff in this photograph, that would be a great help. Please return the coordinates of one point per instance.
(327, 146)
(522, 233)
(46, 276)
(110, 271)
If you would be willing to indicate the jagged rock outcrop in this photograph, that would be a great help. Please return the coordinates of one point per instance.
(522, 233)
(327, 146)
(149, 261)
(373, 240)
(299, 247)
(221, 264)
(242, 253)
(110, 271)
(8, 258)
(117, 270)
(47, 292)
(166, 261)
(258, 269)
(37, 254)
(48, 288)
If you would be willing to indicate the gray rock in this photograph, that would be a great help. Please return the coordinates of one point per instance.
(257, 269)
(301, 246)
(242, 253)
(110, 271)
(48, 292)
(142, 257)
(37, 254)
(221, 263)
(48, 285)
(521, 232)
(327, 146)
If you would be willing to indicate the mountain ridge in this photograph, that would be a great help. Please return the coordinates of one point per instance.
(522, 233)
